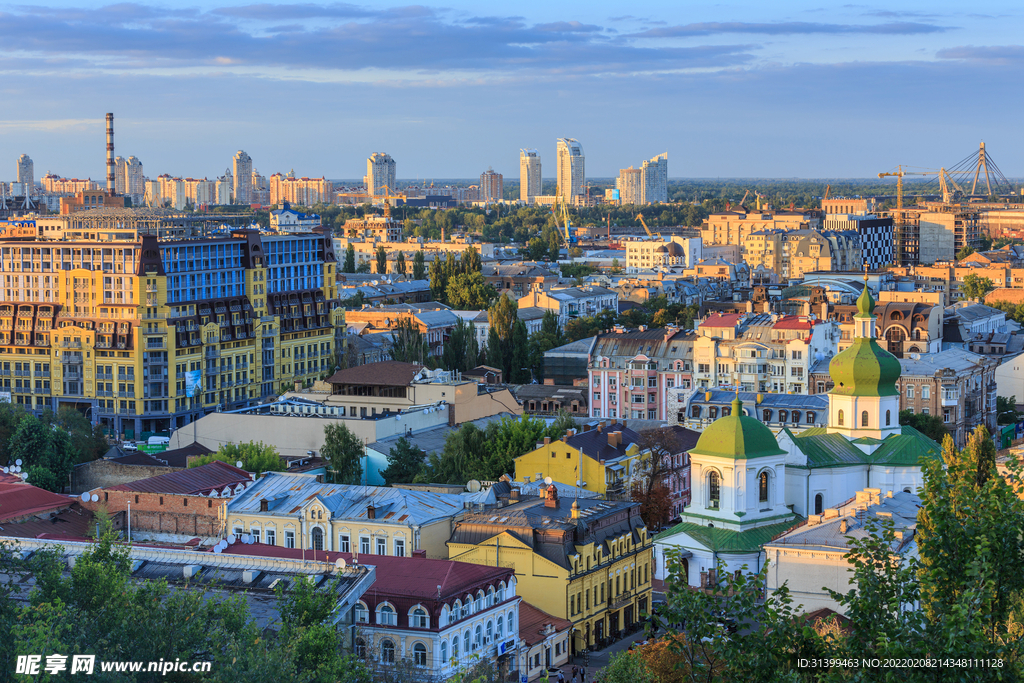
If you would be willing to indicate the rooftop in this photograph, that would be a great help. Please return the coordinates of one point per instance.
(197, 481)
(928, 364)
(533, 623)
(385, 373)
(19, 500)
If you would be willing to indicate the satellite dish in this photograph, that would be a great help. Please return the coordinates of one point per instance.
(18, 462)
(339, 564)
(547, 480)
(217, 548)
(85, 497)
(24, 477)
(19, 468)
(6, 470)
(473, 485)
(95, 498)
(238, 464)
(231, 539)
(247, 540)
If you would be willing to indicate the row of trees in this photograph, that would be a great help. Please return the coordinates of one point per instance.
(655, 312)
(48, 446)
(961, 597)
(457, 281)
(472, 453)
(419, 269)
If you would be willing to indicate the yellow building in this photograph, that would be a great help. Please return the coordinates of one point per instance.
(607, 454)
(589, 561)
(297, 511)
(145, 334)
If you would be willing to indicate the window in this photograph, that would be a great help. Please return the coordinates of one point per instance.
(456, 610)
(926, 393)
(418, 618)
(364, 545)
(316, 538)
(910, 391)
(478, 637)
(382, 546)
(888, 418)
(387, 651)
(695, 411)
(362, 614)
(386, 615)
(490, 632)
(465, 642)
(237, 531)
(839, 417)
(713, 489)
(343, 544)
(864, 418)
(255, 533)
(819, 504)
(399, 547)
(271, 537)
(444, 653)
(419, 653)
(810, 417)
(762, 487)
(289, 539)
(360, 647)
(501, 627)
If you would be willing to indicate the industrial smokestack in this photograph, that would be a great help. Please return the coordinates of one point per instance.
(110, 154)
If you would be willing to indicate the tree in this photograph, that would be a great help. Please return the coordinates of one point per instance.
(350, 259)
(255, 456)
(363, 267)
(616, 268)
(31, 442)
(419, 271)
(520, 357)
(650, 479)
(10, 415)
(400, 263)
(460, 459)
(461, 351)
(965, 252)
(344, 453)
(976, 287)
(405, 462)
(382, 260)
(408, 344)
(1006, 410)
(931, 426)
(469, 292)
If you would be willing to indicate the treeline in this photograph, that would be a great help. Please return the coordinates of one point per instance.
(657, 312)
(48, 446)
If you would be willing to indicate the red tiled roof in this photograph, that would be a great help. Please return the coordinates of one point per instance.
(794, 322)
(73, 524)
(19, 500)
(532, 622)
(722, 320)
(414, 577)
(389, 373)
(190, 482)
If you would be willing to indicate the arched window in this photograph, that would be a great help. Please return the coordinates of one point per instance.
(478, 637)
(360, 647)
(419, 654)
(695, 411)
(317, 538)
(444, 653)
(714, 493)
(767, 415)
(386, 616)
(467, 606)
(511, 623)
(479, 606)
(418, 618)
(783, 415)
(726, 411)
(501, 627)
(490, 596)
(796, 416)
(762, 487)
(443, 620)
(455, 647)
(362, 614)
(501, 592)
(839, 417)
(810, 417)
(387, 651)
(906, 489)
(888, 418)
(456, 610)
(712, 412)
(819, 504)
(490, 632)
(864, 418)
(465, 642)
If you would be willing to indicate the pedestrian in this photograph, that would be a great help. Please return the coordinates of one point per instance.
(583, 675)
(575, 671)
(561, 676)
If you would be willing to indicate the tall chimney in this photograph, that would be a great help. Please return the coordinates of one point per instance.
(110, 154)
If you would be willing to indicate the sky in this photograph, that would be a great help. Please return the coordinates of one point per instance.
(784, 89)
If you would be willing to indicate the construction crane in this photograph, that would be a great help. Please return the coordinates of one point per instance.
(570, 234)
(828, 188)
(640, 217)
(759, 198)
(947, 184)
(744, 200)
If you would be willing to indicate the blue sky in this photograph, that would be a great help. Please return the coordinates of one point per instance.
(735, 89)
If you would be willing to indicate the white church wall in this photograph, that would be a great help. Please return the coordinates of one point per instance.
(896, 479)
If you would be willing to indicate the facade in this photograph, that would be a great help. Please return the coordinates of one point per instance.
(602, 459)
(906, 327)
(374, 228)
(634, 374)
(380, 172)
(761, 353)
(655, 179)
(792, 253)
(570, 171)
(518, 279)
(300, 191)
(572, 302)
(749, 487)
(26, 175)
(242, 173)
(492, 186)
(654, 253)
(148, 334)
(732, 227)
(291, 221)
(630, 185)
(530, 180)
(877, 236)
(796, 411)
(545, 639)
(53, 184)
(297, 511)
(586, 560)
(128, 177)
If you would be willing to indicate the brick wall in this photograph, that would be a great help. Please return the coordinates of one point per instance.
(106, 473)
(167, 513)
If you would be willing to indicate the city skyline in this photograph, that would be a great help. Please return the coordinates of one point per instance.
(742, 90)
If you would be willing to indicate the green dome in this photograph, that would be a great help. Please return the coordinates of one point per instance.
(737, 436)
(864, 369)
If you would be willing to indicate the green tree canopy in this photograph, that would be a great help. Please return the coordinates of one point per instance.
(419, 270)
(408, 344)
(255, 456)
(350, 259)
(344, 453)
(405, 463)
(975, 286)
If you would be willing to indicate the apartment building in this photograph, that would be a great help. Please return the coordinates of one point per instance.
(300, 191)
(146, 335)
(530, 181)
(572, 302)
(761, 352)
(655, 179)
(374, 228)
(570, 170)
(792, 253)
(380, 172)
(633, 373)
(877, 236)
(492, 186)
(241, 166)
(54, 184)
(654, 253)
(903, 327)
(733, 227)
(630, 185)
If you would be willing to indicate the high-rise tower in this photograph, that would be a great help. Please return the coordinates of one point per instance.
(242, 165)
(572, 177)
(655, 181)
(529, 175)
(492, 186)
(26, 174)
(380, 171)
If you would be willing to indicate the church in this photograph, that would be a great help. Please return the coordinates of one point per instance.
(750, 485)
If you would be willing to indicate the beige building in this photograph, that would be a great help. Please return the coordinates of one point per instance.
(651, 253)
(380, 172)
(530, 181)
(300, 191)
(492, 186)
(732, 227)
(792, 253)
(379, 228)
(630, 185)
(570, 170)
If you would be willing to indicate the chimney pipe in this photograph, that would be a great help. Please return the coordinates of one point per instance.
(110, 154)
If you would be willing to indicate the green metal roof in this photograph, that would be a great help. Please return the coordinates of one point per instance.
(728, 541)
(737, 436)
(835, 450)
(864, 369)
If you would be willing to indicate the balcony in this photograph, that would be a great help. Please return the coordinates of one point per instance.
(212, 353)
(950, 397)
